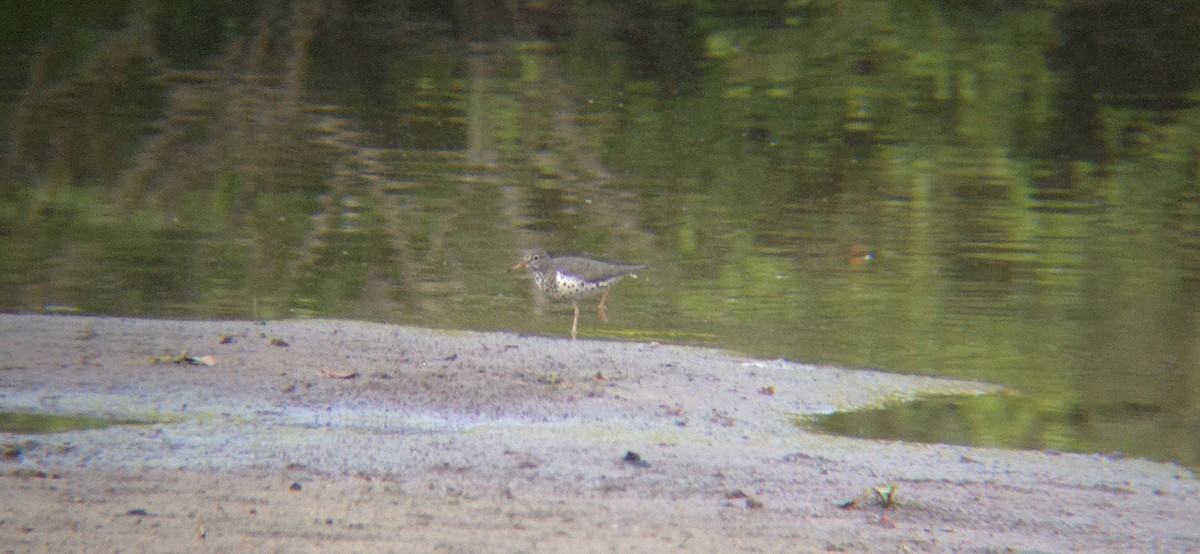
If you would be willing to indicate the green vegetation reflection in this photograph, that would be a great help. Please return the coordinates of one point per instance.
(36, 424)
(1008, 420)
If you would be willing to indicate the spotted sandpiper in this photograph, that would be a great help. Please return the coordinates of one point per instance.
(572, 279)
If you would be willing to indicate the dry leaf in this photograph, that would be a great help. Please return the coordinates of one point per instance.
(185, 358)
(338, 374)
(202, 360)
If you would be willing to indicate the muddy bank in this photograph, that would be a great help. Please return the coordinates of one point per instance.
(347, 436)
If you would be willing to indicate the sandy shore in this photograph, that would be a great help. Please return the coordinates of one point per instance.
(337, 436)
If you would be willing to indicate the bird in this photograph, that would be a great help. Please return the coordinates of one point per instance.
(572, 279)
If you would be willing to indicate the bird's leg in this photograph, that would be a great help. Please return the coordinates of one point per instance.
(575, 322)
(600, 308)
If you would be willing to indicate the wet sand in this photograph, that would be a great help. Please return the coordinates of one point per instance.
(337, 436)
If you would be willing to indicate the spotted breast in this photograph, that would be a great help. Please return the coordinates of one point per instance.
(571, 278)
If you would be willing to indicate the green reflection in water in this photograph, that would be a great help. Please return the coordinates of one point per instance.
(33, 424)
(1008, 420)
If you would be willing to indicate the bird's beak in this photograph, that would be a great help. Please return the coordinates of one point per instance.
(520, 265)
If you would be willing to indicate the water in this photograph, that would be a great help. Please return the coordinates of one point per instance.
(29, 423)
(913, 187)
